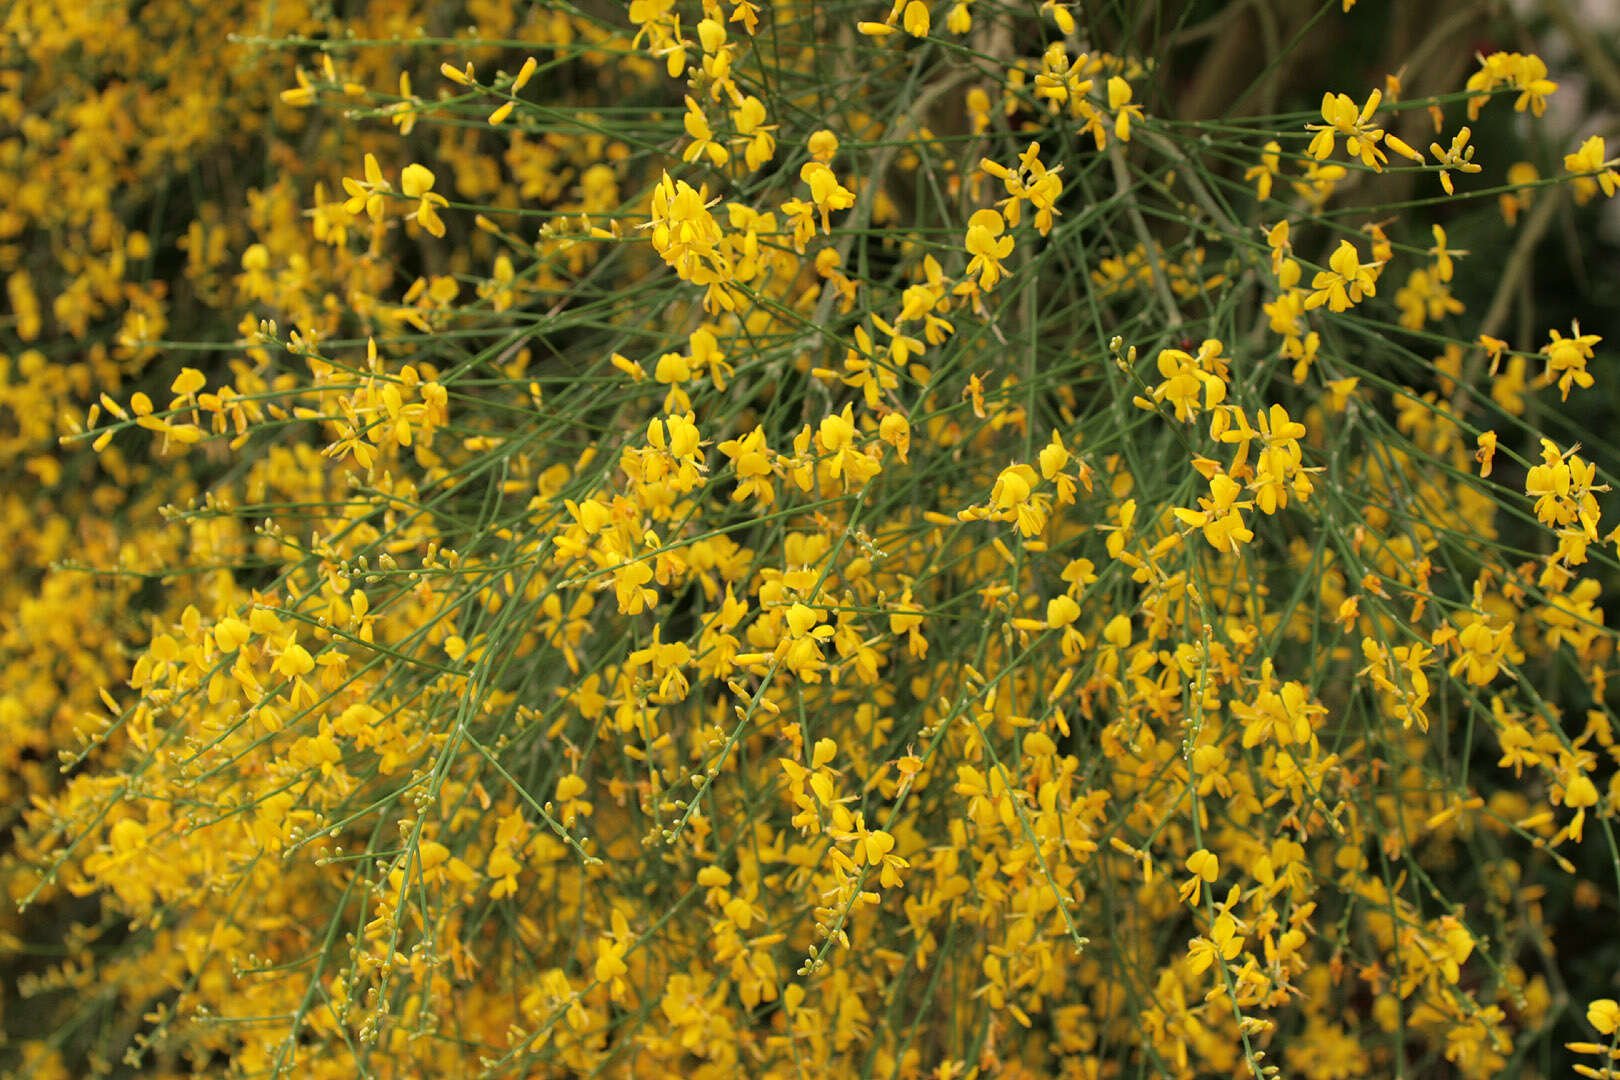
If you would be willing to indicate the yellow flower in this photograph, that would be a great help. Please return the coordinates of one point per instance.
(416, 182)
(1486, 452)
(826, 193)
(1119, 103)
(988, 247)
(1459, 156)
(367, 196)
(685, 234)
(1604, 1015)
(1526, 73)
(1223, 942)
(1567, 357)
(610, 967)
(1589, 162)
(1341, 117)
(1204, 867)
(916, 18)
(703, 141)
(1346, 282)
(1263, 173)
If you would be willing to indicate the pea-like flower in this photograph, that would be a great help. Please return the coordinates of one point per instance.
(988, 247)
(416, 182)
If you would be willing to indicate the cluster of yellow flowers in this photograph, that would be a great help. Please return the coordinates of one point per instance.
(720, 540)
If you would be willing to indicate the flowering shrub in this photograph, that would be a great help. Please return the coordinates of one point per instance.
(719, 539)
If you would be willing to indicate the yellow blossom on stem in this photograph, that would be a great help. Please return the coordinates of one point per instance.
(1119, 103)
(1223, 942)
(1263, 173)
(416, 182)
(826, 193)
(1593, 171)
(1604, 1016)
(987, 247)
(367, 196)
(1458, 156)
(1566, 359)
(1346, 281)
(1526, 73)
(1341, 117)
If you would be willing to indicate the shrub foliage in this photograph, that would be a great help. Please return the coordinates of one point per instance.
(712, 539)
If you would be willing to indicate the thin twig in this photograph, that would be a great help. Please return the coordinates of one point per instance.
(1122, 187)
